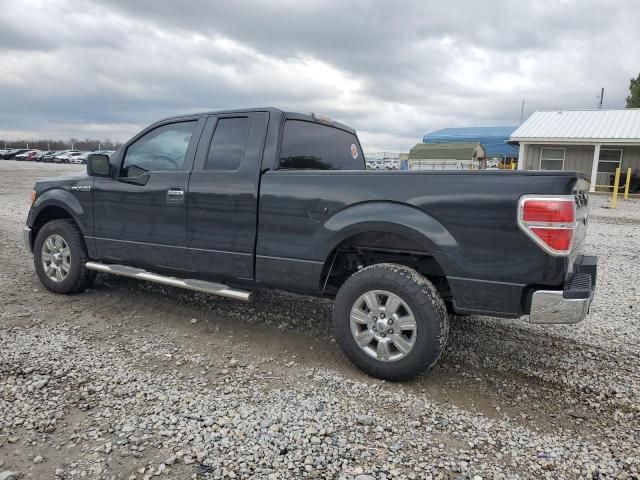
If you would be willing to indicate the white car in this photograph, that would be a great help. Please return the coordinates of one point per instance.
(393, 164)
(66, 157)
(108, 153)
(78, 157)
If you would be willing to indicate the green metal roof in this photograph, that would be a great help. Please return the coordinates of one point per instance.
(443, 151)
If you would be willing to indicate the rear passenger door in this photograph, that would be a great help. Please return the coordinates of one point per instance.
(223, 195)
(294, 207)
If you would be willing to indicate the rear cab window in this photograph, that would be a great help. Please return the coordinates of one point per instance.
(314, 146)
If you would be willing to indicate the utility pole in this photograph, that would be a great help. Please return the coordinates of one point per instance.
(522, 113)
(601, 98)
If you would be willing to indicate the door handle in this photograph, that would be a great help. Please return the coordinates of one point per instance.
(175, 195)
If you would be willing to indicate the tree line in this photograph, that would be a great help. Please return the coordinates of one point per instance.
(633, 100)
(87, 144)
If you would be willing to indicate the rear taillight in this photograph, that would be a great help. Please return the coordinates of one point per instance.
(549, 221)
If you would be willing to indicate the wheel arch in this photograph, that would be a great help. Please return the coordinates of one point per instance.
(54, 206)
(387, 230)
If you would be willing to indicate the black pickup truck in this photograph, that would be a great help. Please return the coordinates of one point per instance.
(227, 202)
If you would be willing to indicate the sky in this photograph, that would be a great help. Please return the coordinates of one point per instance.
(394, 70)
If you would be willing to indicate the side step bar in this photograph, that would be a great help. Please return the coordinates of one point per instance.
(189, 284)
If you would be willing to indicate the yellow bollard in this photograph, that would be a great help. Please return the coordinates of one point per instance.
(616, 184)
(626, 185)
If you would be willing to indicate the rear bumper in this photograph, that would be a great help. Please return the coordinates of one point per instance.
(570, 305)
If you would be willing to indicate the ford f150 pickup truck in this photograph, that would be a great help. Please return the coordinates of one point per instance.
(227, 202)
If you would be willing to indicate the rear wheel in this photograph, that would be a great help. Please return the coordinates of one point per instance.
(390, 321)
(60, 256)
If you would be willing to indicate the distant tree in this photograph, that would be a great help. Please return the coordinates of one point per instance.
(633, 100)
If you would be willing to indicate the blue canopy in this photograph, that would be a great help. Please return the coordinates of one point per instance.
(493, 139)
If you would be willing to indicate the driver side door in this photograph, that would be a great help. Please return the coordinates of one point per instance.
(140, 213)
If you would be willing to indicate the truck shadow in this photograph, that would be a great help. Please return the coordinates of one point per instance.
(549, 374)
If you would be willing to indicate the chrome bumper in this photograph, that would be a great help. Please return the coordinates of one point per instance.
(26, 236)
(550, 306)
(570, 305)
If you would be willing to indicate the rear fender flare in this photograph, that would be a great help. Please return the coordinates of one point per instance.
(389, 217)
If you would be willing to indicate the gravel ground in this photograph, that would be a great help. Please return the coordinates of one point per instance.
(133, 380)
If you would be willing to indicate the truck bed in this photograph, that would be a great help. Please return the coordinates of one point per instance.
(470, 218)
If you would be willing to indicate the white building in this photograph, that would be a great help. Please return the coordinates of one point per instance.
(595, 142)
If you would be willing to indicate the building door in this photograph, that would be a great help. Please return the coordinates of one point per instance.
(610, 159)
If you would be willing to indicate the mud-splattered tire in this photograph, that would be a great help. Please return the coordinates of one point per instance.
(390, 321)
(60, 257)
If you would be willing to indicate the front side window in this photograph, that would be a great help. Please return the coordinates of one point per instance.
(227, 145)
(163, 149)
(552, 159)
(307, 145)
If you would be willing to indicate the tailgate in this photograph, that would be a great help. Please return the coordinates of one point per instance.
(581, 196)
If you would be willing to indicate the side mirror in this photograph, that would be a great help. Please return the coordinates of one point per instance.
(98, 165)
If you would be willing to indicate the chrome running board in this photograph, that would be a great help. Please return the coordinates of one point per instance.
(189, 284)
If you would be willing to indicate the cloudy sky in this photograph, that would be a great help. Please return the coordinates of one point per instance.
(392, 70)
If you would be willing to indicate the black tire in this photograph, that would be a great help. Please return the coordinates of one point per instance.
(426, 304)
(79, 278)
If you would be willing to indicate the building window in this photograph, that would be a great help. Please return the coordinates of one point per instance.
(609, 160)
(552, 159)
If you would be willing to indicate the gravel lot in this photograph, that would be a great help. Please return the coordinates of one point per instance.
(133, 380)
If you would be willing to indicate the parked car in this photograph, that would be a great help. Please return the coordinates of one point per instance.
(29, 155)
(108, 153)
(228, 202)
(50, 156)
(78, 158)
(392, 164)
(12, 153)
(66, 156)
(42, 155)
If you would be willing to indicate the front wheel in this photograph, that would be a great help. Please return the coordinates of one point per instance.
(60, 258)
(390, 321)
